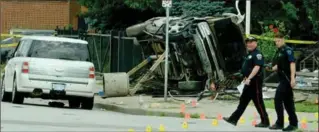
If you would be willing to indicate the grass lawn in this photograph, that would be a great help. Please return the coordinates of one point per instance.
(305, 106)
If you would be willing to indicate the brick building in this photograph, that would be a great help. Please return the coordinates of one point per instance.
(38, 14)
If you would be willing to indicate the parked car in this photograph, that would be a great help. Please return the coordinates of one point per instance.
(50, 68)
(5, 51)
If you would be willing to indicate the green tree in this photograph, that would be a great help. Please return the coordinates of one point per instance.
(115, 14)
(300, 17)
(267, 46)
(199, 8)
(110, 14)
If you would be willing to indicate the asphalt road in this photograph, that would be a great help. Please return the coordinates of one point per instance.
(36, 115)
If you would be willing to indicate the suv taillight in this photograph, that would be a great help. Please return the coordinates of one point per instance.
(92, 72)
(25, 67)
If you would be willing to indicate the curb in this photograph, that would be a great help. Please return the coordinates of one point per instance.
(138, 111)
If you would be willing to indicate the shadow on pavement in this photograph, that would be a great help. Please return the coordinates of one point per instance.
(50, 104)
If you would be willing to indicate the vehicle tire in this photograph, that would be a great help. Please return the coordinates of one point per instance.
(17, 97)
(73, 103)
(5, 96)
(87, 103)
(176, 29)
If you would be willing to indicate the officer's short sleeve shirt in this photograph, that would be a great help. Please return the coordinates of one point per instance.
(290, 54)
(285, 57)
(258, 58)
(254, 58)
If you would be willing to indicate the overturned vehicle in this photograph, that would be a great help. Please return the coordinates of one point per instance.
(200, 50)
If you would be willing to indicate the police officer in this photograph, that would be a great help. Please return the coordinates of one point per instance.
(253, 73)
(285, 67)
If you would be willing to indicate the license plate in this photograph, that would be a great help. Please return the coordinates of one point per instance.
(58, 87)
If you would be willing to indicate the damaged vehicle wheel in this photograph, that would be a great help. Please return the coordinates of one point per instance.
(177, 29)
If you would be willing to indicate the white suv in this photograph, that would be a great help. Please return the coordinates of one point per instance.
(50, 68)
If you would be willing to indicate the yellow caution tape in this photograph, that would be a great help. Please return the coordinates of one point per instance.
(11, 35)
(287, 41)
(254, 35)
(12, 44)
(9, 45)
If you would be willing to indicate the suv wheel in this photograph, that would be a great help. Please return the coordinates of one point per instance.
(74, 103)
(17, 97)
(5, 96)
(87, 103)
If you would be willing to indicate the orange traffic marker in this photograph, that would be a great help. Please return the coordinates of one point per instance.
(219, 117)
(183, 108)
(254, 122)
(193, 103)
(304, 125)
(187, 116)
(202, 116)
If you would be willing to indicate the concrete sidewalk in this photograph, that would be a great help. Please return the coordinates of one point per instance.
(157, 107)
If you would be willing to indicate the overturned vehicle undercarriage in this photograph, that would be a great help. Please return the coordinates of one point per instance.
(200, 50)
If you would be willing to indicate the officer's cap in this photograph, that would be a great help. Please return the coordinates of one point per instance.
(250, 39)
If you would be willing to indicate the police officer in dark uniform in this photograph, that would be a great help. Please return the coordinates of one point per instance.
(253, 73)
(286, 69)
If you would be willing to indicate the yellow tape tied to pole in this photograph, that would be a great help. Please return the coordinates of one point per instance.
(253, 35)
(287, 41)
(9, 45)
(12, 44)
(11, 35)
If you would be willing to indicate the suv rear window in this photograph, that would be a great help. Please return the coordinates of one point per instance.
(59, 50)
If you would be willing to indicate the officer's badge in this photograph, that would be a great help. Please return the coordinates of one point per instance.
(259, 56)
(249, 57)
(289, 52)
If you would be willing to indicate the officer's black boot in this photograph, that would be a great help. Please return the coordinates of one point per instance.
(276, 127)
(227, 119)
(262, 125)
(290, 128)
(265, 123)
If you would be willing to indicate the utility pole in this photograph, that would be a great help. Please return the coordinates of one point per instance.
(248, 11)
(166, 4)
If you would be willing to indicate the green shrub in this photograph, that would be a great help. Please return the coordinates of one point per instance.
(267, 46)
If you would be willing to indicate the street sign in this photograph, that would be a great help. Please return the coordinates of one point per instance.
(167, 3)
